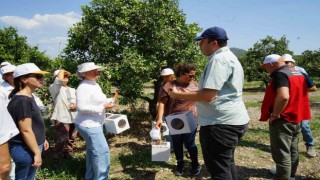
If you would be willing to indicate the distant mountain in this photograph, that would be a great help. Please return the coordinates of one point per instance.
(238, 52)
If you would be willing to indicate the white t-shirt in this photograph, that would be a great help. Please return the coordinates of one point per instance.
(90, 104)
(8, 128)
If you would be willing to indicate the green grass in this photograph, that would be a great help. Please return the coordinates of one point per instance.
(253, 104)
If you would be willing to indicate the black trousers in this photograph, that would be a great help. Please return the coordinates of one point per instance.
(218, 143)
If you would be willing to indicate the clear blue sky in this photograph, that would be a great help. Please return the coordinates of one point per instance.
(46, 22)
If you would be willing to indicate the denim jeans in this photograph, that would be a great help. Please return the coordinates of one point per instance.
(306, 133)
(188, 140)
(284, 147)
(218, 144)
(23, 158)
(97, 153)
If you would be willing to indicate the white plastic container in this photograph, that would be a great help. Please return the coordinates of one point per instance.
(161, 151)
(116, 123)
(181, 122)
(164, 128)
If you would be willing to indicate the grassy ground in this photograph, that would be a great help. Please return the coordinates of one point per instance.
(131, 151)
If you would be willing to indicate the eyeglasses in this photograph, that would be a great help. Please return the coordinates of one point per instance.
(37, 76)
(191, 76)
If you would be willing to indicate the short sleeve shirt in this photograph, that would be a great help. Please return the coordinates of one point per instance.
(223, 73)
(21, 107)
(176, 105)
(8, 128)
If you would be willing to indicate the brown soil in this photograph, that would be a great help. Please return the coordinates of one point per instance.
(253, 158)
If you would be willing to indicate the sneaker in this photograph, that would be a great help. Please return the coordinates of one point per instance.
(179, 170)
(195, 170)
(273, 171)
(310, 151)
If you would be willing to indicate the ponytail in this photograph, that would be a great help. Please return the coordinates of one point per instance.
(18, 85)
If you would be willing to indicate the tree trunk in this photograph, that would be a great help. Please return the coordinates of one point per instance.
(153, 104)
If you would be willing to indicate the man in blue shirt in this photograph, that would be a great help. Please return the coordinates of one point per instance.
(221, 111)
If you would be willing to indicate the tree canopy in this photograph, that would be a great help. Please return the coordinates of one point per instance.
(309, 60)
(252, 60)
(134, 39)
(15, 49)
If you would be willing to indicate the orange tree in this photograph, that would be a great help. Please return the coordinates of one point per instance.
(253, 58)
(134, 39)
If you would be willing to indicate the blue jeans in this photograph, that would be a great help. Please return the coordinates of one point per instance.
(188, 140)
(218, 144)
(97, 153)
(306, 133)
(23, 157)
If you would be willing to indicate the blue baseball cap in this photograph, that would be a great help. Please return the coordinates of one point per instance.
(213, 33)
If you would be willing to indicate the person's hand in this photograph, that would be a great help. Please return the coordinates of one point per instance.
(45, 145)
(159, 123)
(37, 160)
(109, 105)
(272, 118)
(73, 106)
(173, 93)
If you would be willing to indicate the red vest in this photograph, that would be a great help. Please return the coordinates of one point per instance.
(298, 107)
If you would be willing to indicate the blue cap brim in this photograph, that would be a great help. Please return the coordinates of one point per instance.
(198, 38)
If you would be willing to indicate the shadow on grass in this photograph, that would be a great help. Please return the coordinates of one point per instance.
(138, 164)
(70, 168)
(247, 173)
(251, 135)
(262, 173)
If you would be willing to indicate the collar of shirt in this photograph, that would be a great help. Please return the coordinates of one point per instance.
(89, 82)
(223, 49)
(274, 72)
(7, 86)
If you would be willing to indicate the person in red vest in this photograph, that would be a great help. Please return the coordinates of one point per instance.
(285, 105)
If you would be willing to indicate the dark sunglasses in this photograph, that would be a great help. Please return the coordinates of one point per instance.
(191, 76)
(37, 76)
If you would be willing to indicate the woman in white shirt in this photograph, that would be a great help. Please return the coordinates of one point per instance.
(91, 106)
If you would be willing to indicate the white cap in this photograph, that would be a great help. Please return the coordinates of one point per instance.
(88, 66)
(272, 58)
(166, 71)
(27, 68)
(56, 72)
(6, 69)
(288, 58)
(5, 64)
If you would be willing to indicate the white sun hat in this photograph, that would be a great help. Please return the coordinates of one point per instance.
(7, 69)
(166, 72)
(88, 66)
(56, 72)
(27, 68)
(288, 58)
(5, 64)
